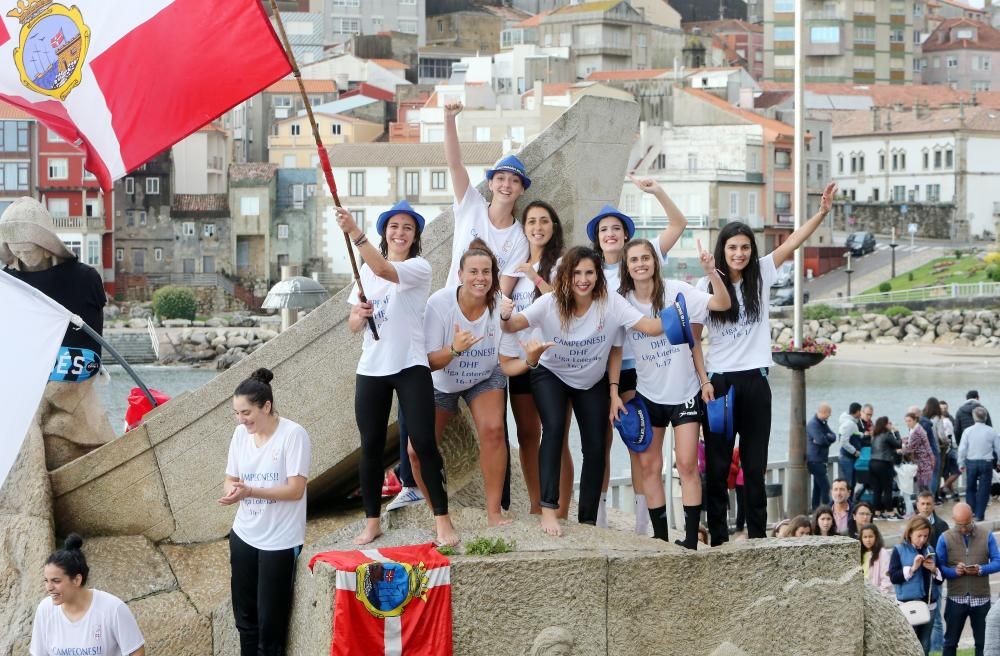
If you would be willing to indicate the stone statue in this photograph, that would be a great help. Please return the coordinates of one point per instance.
(71, 415)
(552, 641)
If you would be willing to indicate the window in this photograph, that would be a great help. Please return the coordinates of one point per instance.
(825, 34)
(692, 162)
(440, 25)
(407, 26)
(208, 263)
(784, 5)
(898, 194)
(854, 163)
(897, 8)
(129, 186)
(782, 200)
(840, 163)
(94, 252)
(754, 157)
(861, 163)
(439, 180)
(52, 137)
(14, 136)
(865, 7)
(129, 217)
(917, 37)
(881, 161)
(875, 194)
(335, 128)
(820, 172)
(902, 160)
(952, 62)
(751, 204)
(282, 231)
(784, 33)
(281, 101)
(187, 229)
(347, 3)
(517, 134)
(119, 255)
(927, 160)
(158, 254)
(897, 36)
(979, 85)
(864, 34)
(660, 162)
(208, 230)
(58, 207)
(87, 175)
(298, 196)
(936, 62)
(359, 218)
(58, 168)
(782, 159)
(411, 183)
(937, 159)
(734, 204)
(142, 217)
(949, 158)
(407, 2)
(152, 185)
(92, 207)
(820, 141)
(296, 129)
(250, 206)
(356, 183)
(138, 260)
(482, 134)
(985, 62)
(14, 176)
(933, 193)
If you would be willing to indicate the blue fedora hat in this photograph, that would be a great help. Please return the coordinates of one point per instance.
(634, 426)
(677, 323)
(720, 414)
(609, 210)
(402, 207)
(512, 164)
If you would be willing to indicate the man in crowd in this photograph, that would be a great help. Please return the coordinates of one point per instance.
(977, 456)
(841, 504)
(925, 507)
(821, 436)
(966, 556)
(867, 412)
(849, 433)
(949, 469)
(963, 416)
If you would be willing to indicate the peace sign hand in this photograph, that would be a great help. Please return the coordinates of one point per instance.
(706, 258)
(464, 339)
(534, 348)
(648, 185)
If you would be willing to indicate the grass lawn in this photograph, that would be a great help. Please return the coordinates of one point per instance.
(942, 271)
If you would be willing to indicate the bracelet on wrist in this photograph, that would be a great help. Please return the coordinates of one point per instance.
(360, 241)
(707, 382)
(454, 353)
(507, 318)
(615, 384)
(539, 281)
(530, 366)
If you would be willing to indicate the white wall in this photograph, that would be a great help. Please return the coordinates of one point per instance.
(983, 179)
(914, 174)
(190, 157)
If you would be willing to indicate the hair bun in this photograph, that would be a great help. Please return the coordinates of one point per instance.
(263, 375)
(73, 542)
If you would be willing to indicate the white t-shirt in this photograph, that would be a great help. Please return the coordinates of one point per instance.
(264, 523)
(107, 629)
(476, 363)
(612, 274)
(666, 372)
(523, 296)
(743, 346)
(401, 343)
(472, 219)
(580, 355)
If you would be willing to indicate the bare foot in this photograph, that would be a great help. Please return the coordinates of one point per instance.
(497, 519)
(371, 532)
(446, 534)
(550, 522)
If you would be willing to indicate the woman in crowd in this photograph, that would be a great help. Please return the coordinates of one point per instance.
(75, 619)
(932, 421)
(861, 515)
(914, 573)
(397, 282)
(800, 526)
(739, 357)
(582, 320)
(875, 558)
(886, 445)
(823, 522)
(462, 338)
(543, 230)
(670, 380)
(266, 474)
(917, 445)
(609, 232)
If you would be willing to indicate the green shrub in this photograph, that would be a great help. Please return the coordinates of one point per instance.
(819, 312)
(898, 311)
(992, 258)
(909, 276)
(885, 287)
(993, 272)
(958, 253)
(173, 302)
(446, 550)
(488, 547)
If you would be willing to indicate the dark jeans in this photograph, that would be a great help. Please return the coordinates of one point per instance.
(261, 585)
(978, 479)
(923, 632)
(847, 471)
(405, 470)
(591, 408)
(881, 477)
(752, 422)
(954, 621)
(741, 507)
(821, 484)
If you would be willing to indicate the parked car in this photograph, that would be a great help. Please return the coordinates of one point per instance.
(860, 243)
(786, 275)
(786, 296)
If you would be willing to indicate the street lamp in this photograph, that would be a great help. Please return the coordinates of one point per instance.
(292, 294)
(848, 271)
(893, 246)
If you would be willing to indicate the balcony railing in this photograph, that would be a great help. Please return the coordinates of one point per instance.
(83, 223)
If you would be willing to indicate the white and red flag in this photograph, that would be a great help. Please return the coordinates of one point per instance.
(126, 79)
(391, 601)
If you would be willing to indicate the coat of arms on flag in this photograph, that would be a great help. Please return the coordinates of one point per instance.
(391, 601)
(53, 45)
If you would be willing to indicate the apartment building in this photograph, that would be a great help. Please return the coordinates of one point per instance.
(342, 19)
(292, 146)
(963, 54)
(18, 154)
(144, 231)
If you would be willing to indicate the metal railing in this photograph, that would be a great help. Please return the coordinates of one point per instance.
(938, 292)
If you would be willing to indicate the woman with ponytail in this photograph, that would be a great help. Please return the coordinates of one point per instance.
(75, 619)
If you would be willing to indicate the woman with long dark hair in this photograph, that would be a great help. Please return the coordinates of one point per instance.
(579, 322)
(886, 444)
(739, 357)
(823, 522)
(397, 282)
(875, 558)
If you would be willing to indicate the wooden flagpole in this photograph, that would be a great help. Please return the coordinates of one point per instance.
(324, 158)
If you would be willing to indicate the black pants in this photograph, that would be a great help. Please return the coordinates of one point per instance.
(591, 407)
(741, 507)
(261, 586)
(955, 615)
(372, 402)
(752, 422)
(881, 472)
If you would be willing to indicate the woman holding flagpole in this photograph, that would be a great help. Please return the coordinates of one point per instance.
(397, 281)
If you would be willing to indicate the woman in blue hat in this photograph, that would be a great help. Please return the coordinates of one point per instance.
(669, 380)
(583, 321)
(739, 356)
(609, 231)
(397, 282)
(492, 222)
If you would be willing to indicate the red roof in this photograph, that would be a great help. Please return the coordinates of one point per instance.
(887, 95)
(12, 112)
(535, 20)
(943, 38)
(388, 63)
(632, 74)
(552, 89)
(369, 91)
(782, 129)
(312, 86)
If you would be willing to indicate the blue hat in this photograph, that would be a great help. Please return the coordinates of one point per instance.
(677, 323)
(720, 414)
(634, 425)
(608, 210)
(402, 207)
(512, 164)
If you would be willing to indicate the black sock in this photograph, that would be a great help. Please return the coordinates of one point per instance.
(692, 516)
(658, 517)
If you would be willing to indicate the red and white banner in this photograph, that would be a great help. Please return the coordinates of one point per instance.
(124, 80)
(391, 601)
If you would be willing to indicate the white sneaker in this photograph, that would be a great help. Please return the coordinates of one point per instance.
(406, 497)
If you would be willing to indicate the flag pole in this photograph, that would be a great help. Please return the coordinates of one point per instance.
(324, 157)
(79, 324)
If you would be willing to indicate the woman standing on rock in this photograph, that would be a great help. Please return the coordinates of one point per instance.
(74, 619)
(397, 282)
(266, 474)
(579, 321)
(739, 357)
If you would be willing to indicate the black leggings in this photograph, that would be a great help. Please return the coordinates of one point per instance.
(261, 586)
(881, 474)
(752, 422)
(591, 408)
(372, 402)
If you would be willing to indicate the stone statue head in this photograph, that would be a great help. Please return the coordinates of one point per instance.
(28, 240)
(552, 641)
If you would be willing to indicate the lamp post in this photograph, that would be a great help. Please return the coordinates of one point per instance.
(848, 271)
(292, 294)
(893, 246)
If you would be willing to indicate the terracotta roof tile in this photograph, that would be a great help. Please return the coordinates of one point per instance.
(633, 74)
(252, 172)
(948, 119)
(191, 204)
(312, 86)
(535, 20)
(782, 129)
(551, 89)
(12, 112)
(888, 95)
(942, 38)
(388, 63)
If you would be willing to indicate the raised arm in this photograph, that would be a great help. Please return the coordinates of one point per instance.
(782, 253)
(677, 222)
(380, 266)
(720, 301)
(453, 151)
